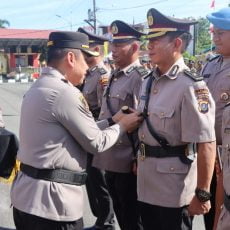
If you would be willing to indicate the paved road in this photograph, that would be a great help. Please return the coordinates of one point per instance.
(10, 101)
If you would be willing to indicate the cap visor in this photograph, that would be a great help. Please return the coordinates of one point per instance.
(91, 53)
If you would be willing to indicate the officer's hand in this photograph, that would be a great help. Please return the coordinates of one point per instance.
(119, 115)
(198, 208)
(131, 121)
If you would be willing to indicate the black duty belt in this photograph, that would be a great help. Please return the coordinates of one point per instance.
(227, 201)
(55, 175)
(160, 152)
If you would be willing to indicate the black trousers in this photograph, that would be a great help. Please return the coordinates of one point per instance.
(25, 221)
(210, 216)
(160, 218)
(123, 190)
(99, 198)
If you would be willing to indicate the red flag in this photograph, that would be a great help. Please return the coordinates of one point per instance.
(212, 4)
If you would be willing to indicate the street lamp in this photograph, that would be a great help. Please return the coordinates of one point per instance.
(69, 22)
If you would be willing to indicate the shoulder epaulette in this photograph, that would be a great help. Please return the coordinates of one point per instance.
(213, 58)
(102, 71)
(193, 76)
(228, 104)
(142, 71)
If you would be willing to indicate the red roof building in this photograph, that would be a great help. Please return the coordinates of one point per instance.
(21, 48)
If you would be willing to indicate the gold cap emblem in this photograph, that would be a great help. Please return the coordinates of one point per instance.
(150, 20)
(114, 29)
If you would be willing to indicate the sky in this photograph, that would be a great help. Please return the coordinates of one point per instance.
(61, 14)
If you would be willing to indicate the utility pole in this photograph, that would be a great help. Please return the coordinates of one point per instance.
(94, 16)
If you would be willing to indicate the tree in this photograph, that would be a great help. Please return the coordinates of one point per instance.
(203, 38)
(4, 23)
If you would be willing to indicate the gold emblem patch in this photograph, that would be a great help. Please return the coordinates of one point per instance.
(203, 106)
(114, 29)
(84, 102)
(150, 20)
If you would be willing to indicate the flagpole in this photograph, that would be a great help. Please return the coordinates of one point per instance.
(212, 6)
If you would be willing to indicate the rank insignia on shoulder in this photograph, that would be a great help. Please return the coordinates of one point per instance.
(93, 69)
(102, 71)
(193, 76)
(84, 102)
(130, 70)
(203, 106)
(142, 71)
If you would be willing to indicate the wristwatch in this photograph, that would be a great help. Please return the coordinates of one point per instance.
(202, 195)
(111, 121)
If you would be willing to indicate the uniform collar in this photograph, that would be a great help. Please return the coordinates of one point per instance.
(52, 71)
(99, 65)
(128, 69)
(226, 61)
(178, 66)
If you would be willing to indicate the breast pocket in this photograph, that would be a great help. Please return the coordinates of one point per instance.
(122, 98)
(162, 118)
(172, 173)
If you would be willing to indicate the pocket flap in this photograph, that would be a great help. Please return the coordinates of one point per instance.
(163, 112)
(171, 166)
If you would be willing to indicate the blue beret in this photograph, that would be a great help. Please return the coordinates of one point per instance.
(221, 18)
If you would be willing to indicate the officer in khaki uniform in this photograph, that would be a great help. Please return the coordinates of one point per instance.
(217, 75)
(179, 112)
(123, 89)
(95, 81)
(56, 130)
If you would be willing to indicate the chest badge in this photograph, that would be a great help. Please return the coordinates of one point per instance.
(203, 106)
(224, 96)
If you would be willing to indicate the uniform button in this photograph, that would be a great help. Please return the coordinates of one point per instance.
(115, 79)
(102, 112)
(171, 169)
(148, 113)
(120, 142)
(162, 114)
(118, 95)
(109, 95)
(155, 91)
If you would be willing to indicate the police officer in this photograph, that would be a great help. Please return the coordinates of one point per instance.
(224, 218)
(179, 112)
(216, 74)
(123, 89)
(56, 129)
(95, 81)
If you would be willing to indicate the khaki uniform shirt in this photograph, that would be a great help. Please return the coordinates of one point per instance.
(1, 119)
(224, 219)
(56, 130)
(124, 90)
(176, 112)
(95, 82)
(217, 75)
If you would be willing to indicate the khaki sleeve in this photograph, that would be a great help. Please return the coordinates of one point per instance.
(71, 110)
(197, 114)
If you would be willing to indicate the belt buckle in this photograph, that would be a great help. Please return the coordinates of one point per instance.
(142, 151)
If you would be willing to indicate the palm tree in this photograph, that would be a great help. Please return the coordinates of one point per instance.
(4, 23)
